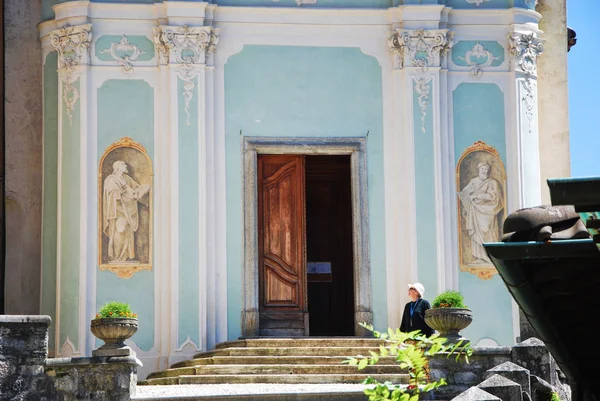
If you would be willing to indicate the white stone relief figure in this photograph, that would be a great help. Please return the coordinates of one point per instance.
(120, 220)
(481, 200)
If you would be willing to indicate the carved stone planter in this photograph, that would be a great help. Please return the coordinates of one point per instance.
(449, 321)
(113, 331)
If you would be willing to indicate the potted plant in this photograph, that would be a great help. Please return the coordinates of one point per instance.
(449, 315)
(114, 323)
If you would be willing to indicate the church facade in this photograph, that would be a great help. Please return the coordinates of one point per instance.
(281, 167)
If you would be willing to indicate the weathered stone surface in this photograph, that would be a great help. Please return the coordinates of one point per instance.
(532, 354)
(23, 350)
(501, 387)
(27, 374)
(513, 372)
(475, 394)
(461, 375)
(23, 102)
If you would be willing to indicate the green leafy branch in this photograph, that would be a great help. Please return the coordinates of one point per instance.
(411, 351)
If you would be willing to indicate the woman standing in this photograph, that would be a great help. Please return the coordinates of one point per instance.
(414, 311)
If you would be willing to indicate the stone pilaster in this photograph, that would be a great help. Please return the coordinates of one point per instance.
(420, 106)
(524, 48)
(72, 43)
(187, 74)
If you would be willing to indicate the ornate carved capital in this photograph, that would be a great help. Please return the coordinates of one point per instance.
(73, 45)
(524, 51)
(420, 48)
(185, 44)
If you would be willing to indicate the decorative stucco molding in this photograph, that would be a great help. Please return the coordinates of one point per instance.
(73, 45)
(420, 48)
(187, 47)
(524, 51)
(129, 53)
(529, 100)
(474, 58)
(424, 91)
(477, 2)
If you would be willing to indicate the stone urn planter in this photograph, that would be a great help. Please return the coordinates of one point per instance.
(113, 331)
(449, 321)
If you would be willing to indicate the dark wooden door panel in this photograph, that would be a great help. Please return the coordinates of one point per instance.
(281, 203)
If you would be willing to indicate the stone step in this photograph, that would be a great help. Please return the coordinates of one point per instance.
(252, 392)
(288, 351)
(273, 360)
(273, 369)
(276, 378)
(305, 342)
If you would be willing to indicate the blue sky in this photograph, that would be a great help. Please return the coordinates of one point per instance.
(584, 88)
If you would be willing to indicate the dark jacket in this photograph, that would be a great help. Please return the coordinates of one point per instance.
(418, 318)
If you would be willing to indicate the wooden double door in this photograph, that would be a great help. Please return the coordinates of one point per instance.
(305, 245)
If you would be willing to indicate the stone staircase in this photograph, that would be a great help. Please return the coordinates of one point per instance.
(280, 361)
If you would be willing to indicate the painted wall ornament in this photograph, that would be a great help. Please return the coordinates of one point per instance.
(423, 89)
(420, 48)
(481, 185)
(124, 53)
(72, 44)
(187, 47)
(125, 209)
(477, 58)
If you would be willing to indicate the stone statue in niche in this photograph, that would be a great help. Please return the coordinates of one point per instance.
(125, 209)
(481, 184)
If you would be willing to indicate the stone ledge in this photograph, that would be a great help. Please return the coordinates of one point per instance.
(26, 319)
(92, 361)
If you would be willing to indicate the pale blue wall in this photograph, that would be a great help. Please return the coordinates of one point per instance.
(479, 116)
(126, 108)
(425, 195)
(69, 220)
(49, 218)
(303, 92)
(189, 223)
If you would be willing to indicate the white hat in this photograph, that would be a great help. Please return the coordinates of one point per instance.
(419, 287)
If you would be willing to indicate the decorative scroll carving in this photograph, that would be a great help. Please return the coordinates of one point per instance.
(125, 60)
(72, 44)
(188, 47)
(420, 48)
(481, 186)
(424, 91)
(125, 209)
(528, 99)
(524, 51)
(474, 56)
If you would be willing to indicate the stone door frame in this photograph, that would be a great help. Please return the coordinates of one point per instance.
(356, 148)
